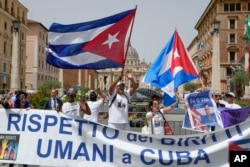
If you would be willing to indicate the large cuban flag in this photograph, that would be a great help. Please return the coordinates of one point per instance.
(172, 68)
(95, 44)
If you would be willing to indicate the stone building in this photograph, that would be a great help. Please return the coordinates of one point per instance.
(13, 29)
(133, 64)
(37, 70)
(221, 51)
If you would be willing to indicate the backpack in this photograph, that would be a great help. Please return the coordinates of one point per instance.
(112, 101)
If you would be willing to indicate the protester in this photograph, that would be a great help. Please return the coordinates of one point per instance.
(22, 101)
(95, 105)
(155, 116)
(230, 97)
(119, 102)
(53, 103)
(74, 108)
(4, 103)
(217, 99)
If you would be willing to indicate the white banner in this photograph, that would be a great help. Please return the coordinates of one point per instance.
(42, 137)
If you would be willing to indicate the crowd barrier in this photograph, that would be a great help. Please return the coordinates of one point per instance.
(137, 120)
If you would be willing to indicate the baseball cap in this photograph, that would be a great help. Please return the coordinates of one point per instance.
(71, 91)
(230, 94)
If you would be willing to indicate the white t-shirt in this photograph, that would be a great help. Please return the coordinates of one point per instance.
(95, 107)
(72, 109)
(118, 111)
(158, 123)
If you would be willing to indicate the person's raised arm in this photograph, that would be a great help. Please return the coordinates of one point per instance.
(84, 107)
(169, 108)
(101, 94)
(113, 85)
(134, 85)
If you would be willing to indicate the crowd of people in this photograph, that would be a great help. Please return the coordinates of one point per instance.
(118, 106)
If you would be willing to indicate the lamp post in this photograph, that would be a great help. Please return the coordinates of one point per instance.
(216, 56)
(15, 75)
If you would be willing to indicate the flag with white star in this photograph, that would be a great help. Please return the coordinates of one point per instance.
(97, 44)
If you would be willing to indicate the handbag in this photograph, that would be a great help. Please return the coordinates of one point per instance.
(167, 129)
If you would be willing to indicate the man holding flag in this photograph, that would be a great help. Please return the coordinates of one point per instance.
(172, 68)
(119, 102)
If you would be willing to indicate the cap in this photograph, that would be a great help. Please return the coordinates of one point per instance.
(71, 91)
(216, 93)
(120, 83)
(230, 94)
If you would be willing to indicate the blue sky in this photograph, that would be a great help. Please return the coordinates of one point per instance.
(155, 20)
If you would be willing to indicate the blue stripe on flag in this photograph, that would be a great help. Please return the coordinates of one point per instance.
(60, 28)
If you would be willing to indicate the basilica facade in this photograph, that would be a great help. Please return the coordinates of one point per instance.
(133, 63)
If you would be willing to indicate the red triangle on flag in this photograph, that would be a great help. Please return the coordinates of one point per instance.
(110, 42)
(234, 147)
(181, 57)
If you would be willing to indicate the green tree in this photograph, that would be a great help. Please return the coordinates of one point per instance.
(240, 78)
(38, 99)
(190, 86)
(49, 84)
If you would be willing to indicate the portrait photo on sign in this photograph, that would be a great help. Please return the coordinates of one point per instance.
(202, 110)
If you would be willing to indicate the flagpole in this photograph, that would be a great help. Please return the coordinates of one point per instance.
(130, 33)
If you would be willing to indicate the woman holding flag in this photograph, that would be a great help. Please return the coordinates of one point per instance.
(155, 116)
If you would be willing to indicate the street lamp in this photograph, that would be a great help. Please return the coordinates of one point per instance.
(216, 56)
(16, 25)
(216, 27)
(15, 75)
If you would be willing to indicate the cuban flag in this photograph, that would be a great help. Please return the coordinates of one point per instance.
(97, 44)
(172, 68)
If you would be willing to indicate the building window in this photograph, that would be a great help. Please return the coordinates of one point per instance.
(232, 7)
(229, 72)
(4, 67)
(238, 6)
(232, 38)
(232, 56)
(248, 6)
(5, 26)
(232, 24)
(22, 36)
(5, 47)
(226, 7)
